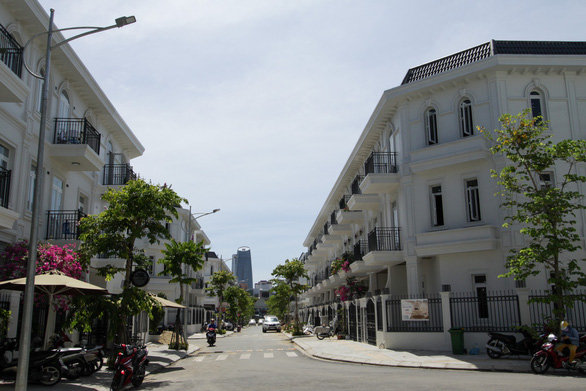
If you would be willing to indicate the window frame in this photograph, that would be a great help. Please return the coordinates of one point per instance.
(431, 129)
(473, 210)
(466, 118)
(536, 95)
(437, 213)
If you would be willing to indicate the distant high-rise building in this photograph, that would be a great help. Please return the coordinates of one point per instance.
(242, 267)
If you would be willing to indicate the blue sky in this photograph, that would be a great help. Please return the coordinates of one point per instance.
(254, 106)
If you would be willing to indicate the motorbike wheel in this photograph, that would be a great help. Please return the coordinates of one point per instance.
(50, 376)
(97, 364)
(540, 364)
(493, 353)
(117, 381)
(320, 336)
(75, 369)
(139, 376)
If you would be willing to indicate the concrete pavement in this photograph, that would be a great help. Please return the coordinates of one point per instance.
(361, 353)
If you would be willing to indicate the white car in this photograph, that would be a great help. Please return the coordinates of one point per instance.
(271, 322)
(252, 322)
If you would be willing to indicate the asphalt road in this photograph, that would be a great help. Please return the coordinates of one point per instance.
(256, 361)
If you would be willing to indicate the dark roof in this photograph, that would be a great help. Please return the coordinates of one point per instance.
(493, 48)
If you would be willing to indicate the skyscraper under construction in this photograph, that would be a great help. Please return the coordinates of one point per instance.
(242, 268)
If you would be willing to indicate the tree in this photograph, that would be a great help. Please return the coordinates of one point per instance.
(138, 210)
(545, 209)
(278, 303)
(291, 272)
(178, 254)
(217, 286)
(241, 304)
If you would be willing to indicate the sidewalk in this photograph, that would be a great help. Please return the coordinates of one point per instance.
(361, 353)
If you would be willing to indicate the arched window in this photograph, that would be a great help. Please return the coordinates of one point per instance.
(431, 126)
(64, 105)
(537, 104)
(466, 123)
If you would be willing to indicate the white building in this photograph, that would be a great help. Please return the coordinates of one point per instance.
(88, 149)
(414, 205)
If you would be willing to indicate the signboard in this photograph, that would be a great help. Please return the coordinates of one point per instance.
(415, 309)
(140, 278)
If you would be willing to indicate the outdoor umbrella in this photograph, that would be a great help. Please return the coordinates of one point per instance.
(167, 303)
(54, 283)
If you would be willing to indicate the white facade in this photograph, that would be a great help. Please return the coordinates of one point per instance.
(423, 203)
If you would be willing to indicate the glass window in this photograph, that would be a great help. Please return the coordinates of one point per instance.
(31, 188)
(473, 200)
(466, 123)
(57, 194)
(546, 180)
(4, 157)
(437, 208)
(537, 104)
(431, 126)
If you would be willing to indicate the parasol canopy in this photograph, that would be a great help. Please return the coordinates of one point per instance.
(167, 303)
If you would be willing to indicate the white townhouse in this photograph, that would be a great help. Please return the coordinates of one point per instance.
(88, 149)
(414, 209)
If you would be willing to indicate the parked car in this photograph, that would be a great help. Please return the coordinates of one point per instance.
(252, 322)
(259, 321)
(271, 322)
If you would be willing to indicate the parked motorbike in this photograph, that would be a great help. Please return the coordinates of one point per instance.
(548, 356)
(130, 366)
(507, 345)
(211, 336)
(43, 365)
(326, 331)
(73, 361)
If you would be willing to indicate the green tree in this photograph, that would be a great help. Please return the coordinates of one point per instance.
(219, 282)
(545, 209)
(137, 211)
(291, 272)
(278, 303)
(179, 258)
(240, 302)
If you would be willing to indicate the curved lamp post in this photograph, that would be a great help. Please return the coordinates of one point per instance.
(27, 316)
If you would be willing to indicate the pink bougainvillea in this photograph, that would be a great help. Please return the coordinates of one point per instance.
(353, 289)
(13, 264)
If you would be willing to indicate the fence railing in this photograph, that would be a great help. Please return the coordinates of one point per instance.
(384, 239)
(360, 249)
(63, 224)
(10, 52)
(77, 131)
(395, 322)
(541, 312)
(381, 163)
(118, 174)
(4, 186)
(485, 312)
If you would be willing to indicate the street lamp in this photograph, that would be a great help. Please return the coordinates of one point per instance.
(27, 316)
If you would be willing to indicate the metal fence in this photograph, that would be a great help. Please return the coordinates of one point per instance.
(541, 312)
(395, 322)
(485, 312)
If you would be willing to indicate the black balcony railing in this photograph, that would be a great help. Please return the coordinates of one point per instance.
(76, 131)
(63, 224)
(384, 239)
(10, 52)
(381, 163)
(333, 219)
(356, 184)
(344, 202)
(118, 174)
(4, 186)
(360, 249)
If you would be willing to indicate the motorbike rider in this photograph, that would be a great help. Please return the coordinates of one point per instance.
(212, 325)
(570, 339)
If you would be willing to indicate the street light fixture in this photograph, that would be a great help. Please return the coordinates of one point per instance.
(27, 316)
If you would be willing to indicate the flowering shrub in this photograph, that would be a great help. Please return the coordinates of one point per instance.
(339, 264)
(353, 289)
(13, 264)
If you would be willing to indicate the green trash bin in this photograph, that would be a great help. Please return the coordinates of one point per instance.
(457, 341)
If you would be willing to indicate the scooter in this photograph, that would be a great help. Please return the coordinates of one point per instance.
(548, 356)
(211, 336)
(327, 331)
(130, 366)
(505, 345)
(43, 365)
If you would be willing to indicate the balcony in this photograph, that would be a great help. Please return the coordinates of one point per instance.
(360, 202)
(350, 217)
(76, 145)
(63, 224)
(381, 173)
(7, 216)
(459, 240)
(340, 229)
(118, 174)
(384, 247)
(12, 88)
